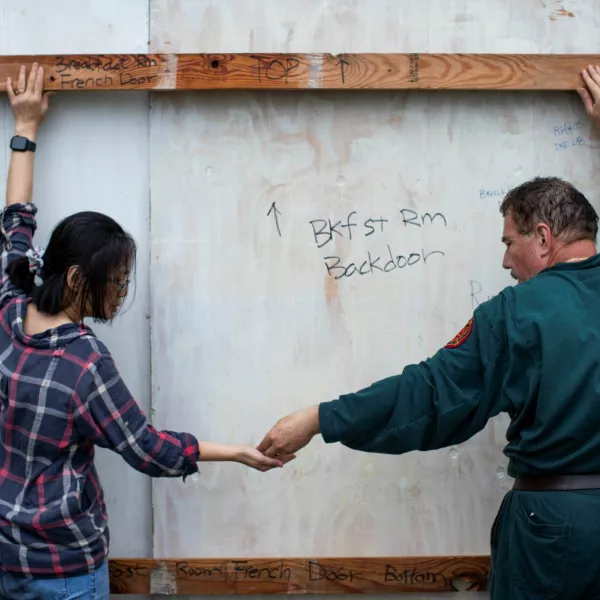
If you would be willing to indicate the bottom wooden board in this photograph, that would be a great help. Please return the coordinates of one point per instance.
(188, 576)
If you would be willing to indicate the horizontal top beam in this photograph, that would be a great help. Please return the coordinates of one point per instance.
(168, 72)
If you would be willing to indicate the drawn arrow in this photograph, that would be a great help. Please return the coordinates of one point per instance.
(276, 214)
(343, 62)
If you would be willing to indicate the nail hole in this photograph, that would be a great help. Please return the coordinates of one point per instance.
(468, 582)
(214, 64)
(461, 585)
(52, 78)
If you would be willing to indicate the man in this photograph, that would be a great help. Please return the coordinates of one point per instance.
(533, 351)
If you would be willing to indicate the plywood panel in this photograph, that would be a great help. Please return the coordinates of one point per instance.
(92, 154)
(251, 325)
(540, 26)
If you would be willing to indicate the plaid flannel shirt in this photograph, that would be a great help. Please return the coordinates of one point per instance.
(60, 395)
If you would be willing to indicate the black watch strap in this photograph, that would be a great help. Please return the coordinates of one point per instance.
(18, 143)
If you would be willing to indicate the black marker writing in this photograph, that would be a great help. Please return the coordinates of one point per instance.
(412, 576)
(476, 290)
(368, 225)
(129, 79)
(126, 571)
(101, 63)
(317, 572)
(245, 570)
(414, 68)
(410, 217)
(275, 212)
(275, 69)
(184, 568)
(376, 264)
(342, 64)
(67, 81)
(323, 230)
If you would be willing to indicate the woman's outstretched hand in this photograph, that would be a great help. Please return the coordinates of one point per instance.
(28, 101)
(245, 455)
(251, 457)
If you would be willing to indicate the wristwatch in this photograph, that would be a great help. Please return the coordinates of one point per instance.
(22, 144)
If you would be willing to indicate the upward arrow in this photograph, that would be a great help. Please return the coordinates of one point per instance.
(275, 212)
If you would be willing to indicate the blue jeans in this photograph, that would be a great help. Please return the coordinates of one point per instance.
(94, 586)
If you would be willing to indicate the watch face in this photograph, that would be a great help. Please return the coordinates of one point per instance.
(18, 143)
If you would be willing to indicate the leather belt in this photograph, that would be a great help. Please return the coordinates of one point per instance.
(560, 483)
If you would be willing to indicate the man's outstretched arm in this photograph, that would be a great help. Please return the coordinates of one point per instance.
(441, 401)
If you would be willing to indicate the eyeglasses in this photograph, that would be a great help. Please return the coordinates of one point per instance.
(121, 284)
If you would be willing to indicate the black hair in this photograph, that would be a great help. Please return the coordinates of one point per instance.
(555, 202)
(94, 243)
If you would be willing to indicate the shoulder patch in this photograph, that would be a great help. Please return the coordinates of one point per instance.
(462, 336)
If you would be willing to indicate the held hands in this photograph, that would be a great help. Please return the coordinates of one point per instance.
(291, 433)
(590, 95)
(277, 448)
(27, 100)
(251, 457)
(245, 455)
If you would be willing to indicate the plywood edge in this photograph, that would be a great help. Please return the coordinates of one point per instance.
(185, 72)
(187, 576)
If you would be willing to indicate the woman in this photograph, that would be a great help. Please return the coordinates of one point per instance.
(60, 391)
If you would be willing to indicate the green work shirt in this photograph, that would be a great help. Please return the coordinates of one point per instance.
(532, 351)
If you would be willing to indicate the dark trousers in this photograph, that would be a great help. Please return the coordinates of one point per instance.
(546, 545)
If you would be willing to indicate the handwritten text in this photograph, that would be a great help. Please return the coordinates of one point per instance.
(104, 63)
(568, 130)
(498, 193)
(378, 264)
(105, 71)
(127, 571)
(274, 69)
(414, 68)
(301, 573)
(578, 141)
(325, 230)
(186, 569)
(477, 294)
(316, 572)
(411, 576)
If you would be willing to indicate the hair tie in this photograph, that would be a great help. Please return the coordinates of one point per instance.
(36, 264)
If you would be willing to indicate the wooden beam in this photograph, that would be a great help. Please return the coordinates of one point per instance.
(306, 71)
(299, 575)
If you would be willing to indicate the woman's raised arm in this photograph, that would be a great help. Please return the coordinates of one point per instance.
(29, 105)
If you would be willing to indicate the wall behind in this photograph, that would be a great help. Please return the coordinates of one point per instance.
(93, 155)
(260, 329)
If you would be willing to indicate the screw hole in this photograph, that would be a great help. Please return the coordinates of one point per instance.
(214, 64)
(52, 78)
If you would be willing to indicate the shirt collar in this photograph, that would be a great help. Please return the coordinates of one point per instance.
(577, 265)
(49, 339)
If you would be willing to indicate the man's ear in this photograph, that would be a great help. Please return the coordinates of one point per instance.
(543, 236)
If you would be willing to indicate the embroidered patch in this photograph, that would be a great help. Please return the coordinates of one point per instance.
(462, 336)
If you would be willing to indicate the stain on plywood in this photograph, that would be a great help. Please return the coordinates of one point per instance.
(561, 12)
(332, 290)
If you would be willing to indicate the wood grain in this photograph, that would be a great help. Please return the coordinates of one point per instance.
(306, 71)
(299, 575)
